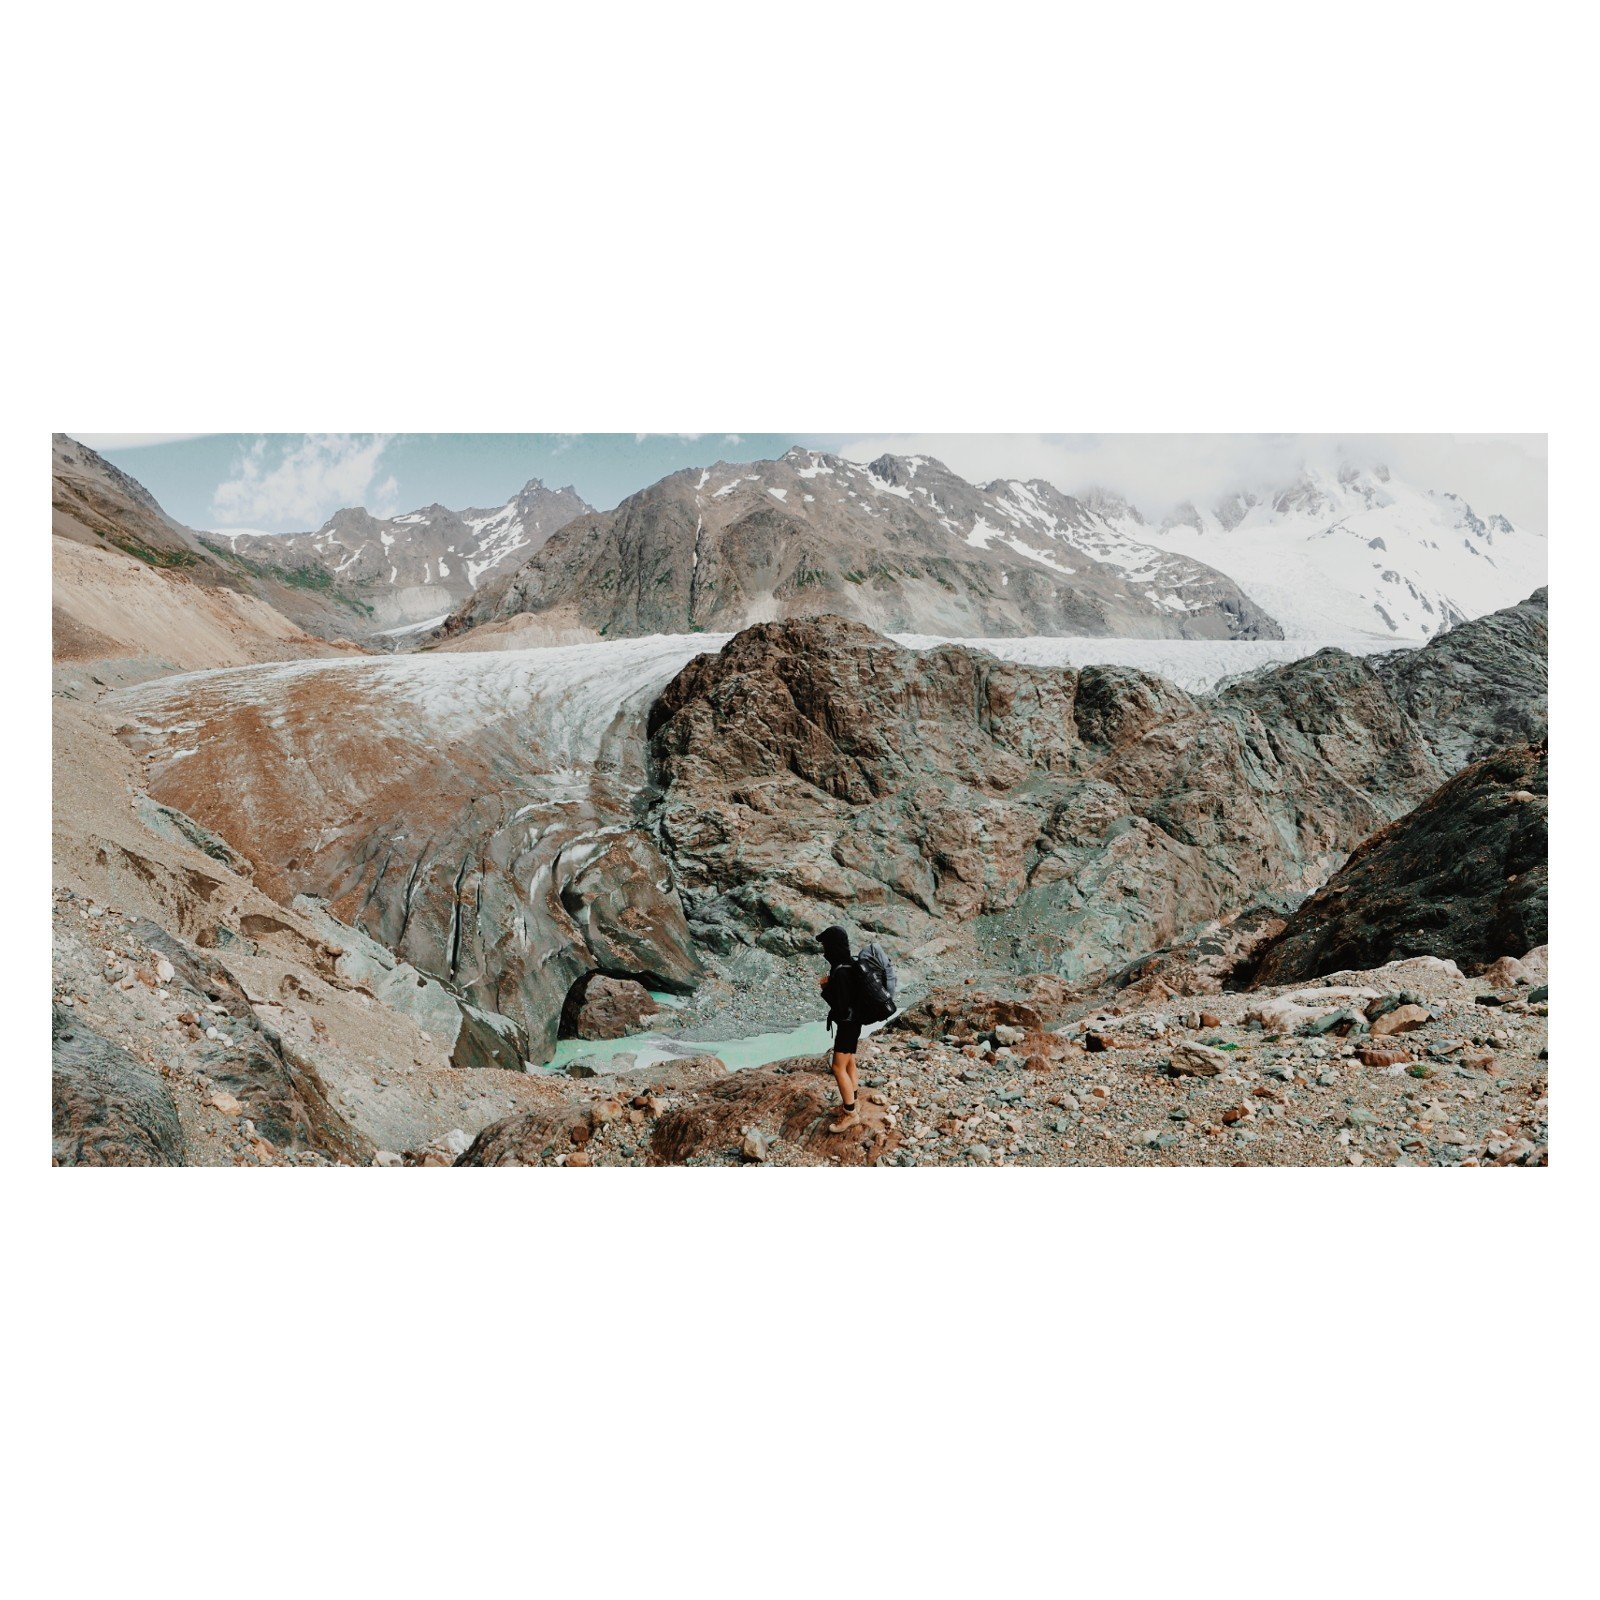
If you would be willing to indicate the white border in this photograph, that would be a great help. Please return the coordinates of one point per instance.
(1234, 217)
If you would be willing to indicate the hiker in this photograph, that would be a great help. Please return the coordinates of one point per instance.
(859, 989)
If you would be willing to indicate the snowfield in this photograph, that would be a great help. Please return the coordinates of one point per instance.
(1359, 552)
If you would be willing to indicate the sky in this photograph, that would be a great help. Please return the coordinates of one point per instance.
(279, 483)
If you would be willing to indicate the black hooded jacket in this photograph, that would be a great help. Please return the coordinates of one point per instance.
(844, 976)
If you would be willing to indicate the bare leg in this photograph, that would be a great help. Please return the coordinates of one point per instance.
(844, 1074)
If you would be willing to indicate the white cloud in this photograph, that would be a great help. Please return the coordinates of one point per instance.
(302, 483)
(1157, 471)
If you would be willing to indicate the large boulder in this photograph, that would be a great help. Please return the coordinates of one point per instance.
(608, 1008)
(108, 1109)
(981, 1005)
(1465, 876)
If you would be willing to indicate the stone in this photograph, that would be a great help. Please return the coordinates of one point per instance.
(1344, 1022)
(1005, 1033)
(1401, 1020)
(1191, 1060)
(1378, 1055)
(387, 1158)
(224, 1102)
(980, 1154)
(754, 1146)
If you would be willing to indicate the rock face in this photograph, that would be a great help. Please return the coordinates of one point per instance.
(411, 568)
(108, 1109)
(489, 817)
(278, 1090)
(1463, 876)
(608, 1008)
(1060, 819)
(1481, 686)
(475, 1038)
(473, 814)
(903, 545)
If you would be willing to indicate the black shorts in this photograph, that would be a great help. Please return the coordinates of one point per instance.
(846, 1036)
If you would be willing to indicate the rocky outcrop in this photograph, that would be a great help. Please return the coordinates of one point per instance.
(1465, 876)
(789, 1109)
(1203, 963)
(1060, 819)
(583, 1123)
(1480, 687)
(108, 1109)
(903, 545)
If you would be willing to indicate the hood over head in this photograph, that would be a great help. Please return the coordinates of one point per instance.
(835, 944)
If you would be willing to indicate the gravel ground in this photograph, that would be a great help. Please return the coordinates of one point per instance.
(1100, 1090)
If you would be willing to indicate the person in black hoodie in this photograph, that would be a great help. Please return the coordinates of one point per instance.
(842, 990)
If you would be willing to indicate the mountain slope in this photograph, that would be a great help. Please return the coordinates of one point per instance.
(903, 545)
(133, 587)
(416, 567)
(1359, 551)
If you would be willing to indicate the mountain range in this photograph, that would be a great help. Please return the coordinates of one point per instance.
(420, 566)
(901, 544)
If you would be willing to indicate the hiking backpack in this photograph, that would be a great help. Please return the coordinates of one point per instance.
(878, 983)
